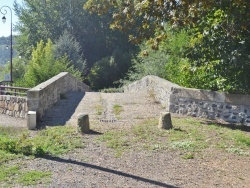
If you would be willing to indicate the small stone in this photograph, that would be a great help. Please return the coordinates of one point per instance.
(165, 121)
(83, 123)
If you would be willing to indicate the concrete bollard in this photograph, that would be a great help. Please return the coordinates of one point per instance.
(31, 120)
(165, 121)
(83, 123)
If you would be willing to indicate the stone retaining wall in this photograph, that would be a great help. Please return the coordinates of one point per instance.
(195, 102)
(46, 94)
(13, 106)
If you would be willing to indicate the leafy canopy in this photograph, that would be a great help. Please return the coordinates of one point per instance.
(44, 65)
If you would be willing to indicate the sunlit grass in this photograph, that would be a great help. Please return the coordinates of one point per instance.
(14, 144)
(12, 174)
(189, 135)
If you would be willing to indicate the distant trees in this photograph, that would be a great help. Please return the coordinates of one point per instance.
(5, 49)
(68, 46)
(85, 38)
(5, 56)
(202, 44)
(44, 65)
(214, 42)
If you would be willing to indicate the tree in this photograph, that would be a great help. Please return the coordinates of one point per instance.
(40, 20)
(44, 65)
(177, 13)
(68, 46)
(218, 55)
(106, 71)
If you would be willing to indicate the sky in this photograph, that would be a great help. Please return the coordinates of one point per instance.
(5, 27)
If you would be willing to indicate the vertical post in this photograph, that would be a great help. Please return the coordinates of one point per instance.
(4, 11)
(11, 47)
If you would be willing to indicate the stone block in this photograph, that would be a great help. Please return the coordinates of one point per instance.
(165, 121)
(2, 104)
(31, 121)
(17, 107)
(83, 123)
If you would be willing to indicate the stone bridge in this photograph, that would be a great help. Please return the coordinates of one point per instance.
(40, 98)
(173, 98)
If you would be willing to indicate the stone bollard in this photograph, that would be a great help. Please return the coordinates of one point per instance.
(83, 123)
(31, 120)
(165, 121)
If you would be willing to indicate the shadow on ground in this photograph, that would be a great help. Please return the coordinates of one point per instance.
(116, 172)
(231, 126)
(62, 111)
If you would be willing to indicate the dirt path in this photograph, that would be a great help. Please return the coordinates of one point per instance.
(95, 165)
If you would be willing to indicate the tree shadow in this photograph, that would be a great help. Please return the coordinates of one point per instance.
(232, 126)
(62, 111)
(116, 172)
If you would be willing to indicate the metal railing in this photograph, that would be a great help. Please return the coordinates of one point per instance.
(10, 90)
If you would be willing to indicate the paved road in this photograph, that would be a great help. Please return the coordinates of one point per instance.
(6, 120)
(99, 106)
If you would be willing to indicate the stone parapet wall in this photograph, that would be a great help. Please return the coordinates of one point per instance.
(161, 89)
(195, 102)
(46, 94)
(13, 106)
(211, 104)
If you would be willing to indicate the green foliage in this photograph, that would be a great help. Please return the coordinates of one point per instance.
(15, 143)
(189, 136)
(18, 70)
(242, 138)
(222, 54)
(187, 145)
(44, 65)
(112, 90)
(6, 173)
(188, 156)
(164, 62)
(116, 141)
(68, 46)
(12, 174)
(90, 37)
(33, 177)
(5, 49)
(117, 109)
(214, 54)
(109, 69)
(237, 151)
(143, 18)
(53, 141)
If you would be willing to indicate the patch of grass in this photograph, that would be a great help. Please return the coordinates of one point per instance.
(112, 90)
(117, 109)
(188, 156)
(99, 109)
(116, 140)
(151, 94)
(6, 156)
(53, 141)
(12, 174)
(34, 177)
(237, 151)
(188, 135)
(242, 138)
(57, 140)
(7, 173)
(188, 145)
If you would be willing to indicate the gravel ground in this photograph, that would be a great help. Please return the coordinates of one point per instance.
(6, 120)
(95, 165)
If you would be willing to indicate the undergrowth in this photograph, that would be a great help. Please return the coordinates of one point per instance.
(18, 143)
(190, 136)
